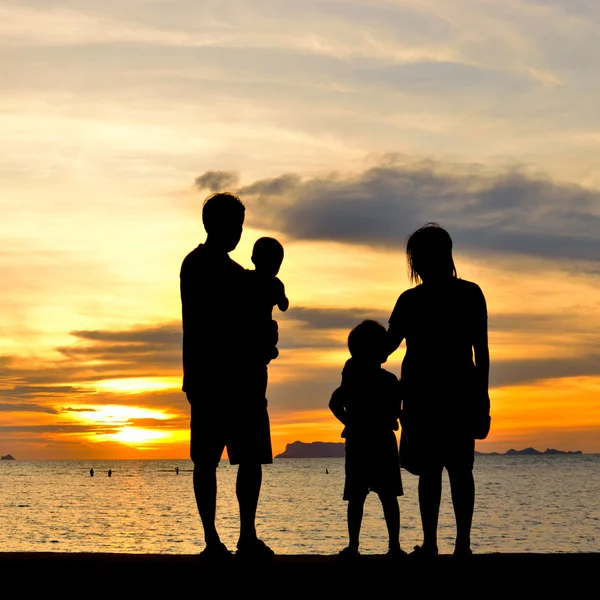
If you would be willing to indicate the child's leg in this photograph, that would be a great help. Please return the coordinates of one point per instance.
(355, 514)
(391, 513)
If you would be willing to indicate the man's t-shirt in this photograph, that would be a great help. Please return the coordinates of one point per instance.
(210, 284)
(439, 324)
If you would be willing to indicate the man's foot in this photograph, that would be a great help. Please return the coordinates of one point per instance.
(424, 552)
(254, 550)
(216, 552)
(348, 553)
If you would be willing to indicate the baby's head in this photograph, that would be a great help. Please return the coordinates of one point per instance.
(367, 342)
(267, 255)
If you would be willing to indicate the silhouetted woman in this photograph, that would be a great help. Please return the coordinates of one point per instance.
(444, 381)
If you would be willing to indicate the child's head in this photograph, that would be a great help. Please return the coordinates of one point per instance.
(368, 342)
(267, 255)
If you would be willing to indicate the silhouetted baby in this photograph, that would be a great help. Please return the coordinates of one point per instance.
(368, 404)
(266, 290)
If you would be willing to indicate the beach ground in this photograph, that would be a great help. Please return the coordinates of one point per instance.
(515, 575)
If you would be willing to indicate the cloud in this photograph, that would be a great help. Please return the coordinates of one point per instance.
(512, 372)
(509, 212)
(217, 181)
(333, 318)
(27, 408)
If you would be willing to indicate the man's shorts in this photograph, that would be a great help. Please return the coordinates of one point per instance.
(231, 412)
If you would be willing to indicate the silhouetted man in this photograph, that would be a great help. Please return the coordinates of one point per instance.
(224, 383)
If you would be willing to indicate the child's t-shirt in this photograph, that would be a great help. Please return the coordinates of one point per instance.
(371, 398)
(262, 294)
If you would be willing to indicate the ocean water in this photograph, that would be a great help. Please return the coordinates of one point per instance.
(523, 504)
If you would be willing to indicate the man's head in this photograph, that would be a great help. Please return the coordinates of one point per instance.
(367, 342)
(223, 219)
(267, 255)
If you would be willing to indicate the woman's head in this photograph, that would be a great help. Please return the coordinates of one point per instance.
(429, 254)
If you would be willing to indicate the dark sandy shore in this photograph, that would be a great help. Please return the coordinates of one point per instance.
(516, 575)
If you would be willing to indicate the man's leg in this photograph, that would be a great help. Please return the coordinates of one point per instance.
(356, 506)
(250, 447)
(206, 446)
(249, 480)
(205, 490)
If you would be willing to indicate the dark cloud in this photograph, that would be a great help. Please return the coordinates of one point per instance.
(59, 428)
(39, 391)
(27, 408)
(514, 372)
(511, 212)
(167, 334)
(216, 181)
(334, 318)
(79, 410)
(269, 187)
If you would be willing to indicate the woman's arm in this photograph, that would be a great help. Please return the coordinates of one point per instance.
(481, 347)
(394, 338)
(395, 333)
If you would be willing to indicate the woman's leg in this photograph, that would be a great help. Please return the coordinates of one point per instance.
(430, 495)
(391, 513)
(462, 486)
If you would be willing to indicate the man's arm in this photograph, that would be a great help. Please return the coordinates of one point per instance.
(337, 406)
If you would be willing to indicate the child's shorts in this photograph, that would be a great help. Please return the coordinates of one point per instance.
(372, 466)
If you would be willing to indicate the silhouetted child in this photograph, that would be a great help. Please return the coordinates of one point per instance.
(368, 404)
(266, 290)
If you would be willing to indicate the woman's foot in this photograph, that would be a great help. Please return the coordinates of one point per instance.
(348, 553)
(215, 552)
(395, 553)
(254, 549)
(462, 552)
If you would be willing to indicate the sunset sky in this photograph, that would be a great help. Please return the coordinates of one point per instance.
(343, 126)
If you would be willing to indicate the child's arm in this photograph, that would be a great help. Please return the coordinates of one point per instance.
(281, 299)
(337, 405)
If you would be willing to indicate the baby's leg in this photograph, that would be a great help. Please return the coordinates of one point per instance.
(391, 513)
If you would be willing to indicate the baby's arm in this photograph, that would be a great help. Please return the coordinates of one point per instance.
(282, 302)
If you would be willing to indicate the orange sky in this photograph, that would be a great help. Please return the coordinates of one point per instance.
(342, 130)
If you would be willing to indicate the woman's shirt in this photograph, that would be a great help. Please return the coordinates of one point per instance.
(439, 323)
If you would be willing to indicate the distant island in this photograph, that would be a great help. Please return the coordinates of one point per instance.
(313, 450)
(529, 452)
(7, 457)
(336, 450)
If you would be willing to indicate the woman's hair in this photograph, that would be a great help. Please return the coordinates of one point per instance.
(429, 249)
